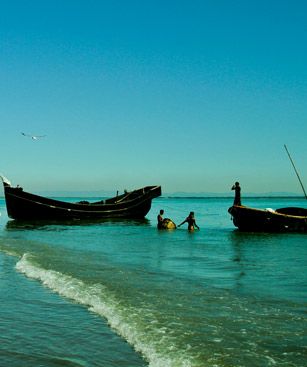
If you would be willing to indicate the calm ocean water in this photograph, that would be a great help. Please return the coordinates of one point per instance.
(122, 293)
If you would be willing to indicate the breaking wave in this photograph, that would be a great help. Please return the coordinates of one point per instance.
(149, 338)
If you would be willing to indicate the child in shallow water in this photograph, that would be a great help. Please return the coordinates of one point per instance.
(190, 219)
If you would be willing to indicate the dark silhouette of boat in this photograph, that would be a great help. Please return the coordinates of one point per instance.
(26, 206)
(290, 219)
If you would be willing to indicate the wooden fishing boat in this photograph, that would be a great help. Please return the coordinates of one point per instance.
(290, 219)
(26, 206)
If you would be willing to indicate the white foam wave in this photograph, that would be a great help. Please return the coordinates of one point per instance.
(9, 252)
(156, 347)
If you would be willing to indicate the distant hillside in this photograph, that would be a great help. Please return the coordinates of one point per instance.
(230, 195)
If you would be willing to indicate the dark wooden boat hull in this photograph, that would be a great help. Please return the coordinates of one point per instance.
(26, 206)
(258, 220)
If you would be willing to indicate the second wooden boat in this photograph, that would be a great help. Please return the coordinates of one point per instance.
(290, 219)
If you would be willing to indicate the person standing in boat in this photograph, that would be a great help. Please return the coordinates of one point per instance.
(160, 218)
(237, 188)
(190, 219)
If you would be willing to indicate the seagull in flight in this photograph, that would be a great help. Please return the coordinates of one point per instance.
(33, 137)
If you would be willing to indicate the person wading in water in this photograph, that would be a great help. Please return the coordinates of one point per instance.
(191, 222)
(160, 219)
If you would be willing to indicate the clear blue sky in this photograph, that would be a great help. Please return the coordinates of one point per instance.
(191, 95)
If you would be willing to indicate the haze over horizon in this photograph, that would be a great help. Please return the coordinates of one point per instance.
(179, 194)
(191, 96)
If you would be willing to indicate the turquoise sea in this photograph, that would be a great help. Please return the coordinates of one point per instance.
(123, 294)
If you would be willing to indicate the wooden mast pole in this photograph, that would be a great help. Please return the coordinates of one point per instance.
(298, 176)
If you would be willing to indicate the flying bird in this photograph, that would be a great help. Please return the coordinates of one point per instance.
(33, 137)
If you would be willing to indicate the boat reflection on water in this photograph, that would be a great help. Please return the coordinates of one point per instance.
(41, 224)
